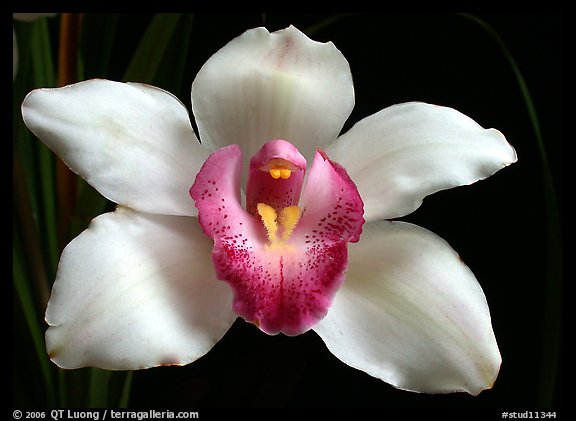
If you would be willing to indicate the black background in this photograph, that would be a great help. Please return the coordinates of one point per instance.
(498, 226)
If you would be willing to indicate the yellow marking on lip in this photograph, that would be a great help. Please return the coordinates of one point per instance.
(285, 222)
(268, 216)
(288, 220)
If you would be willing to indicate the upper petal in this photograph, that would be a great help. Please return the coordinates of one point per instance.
(408, 151)
(135, 291)
(412, 314)
(281, 85)
(134, 143)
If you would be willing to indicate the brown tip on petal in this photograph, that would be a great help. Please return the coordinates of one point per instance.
(53, 355)
(171, 361)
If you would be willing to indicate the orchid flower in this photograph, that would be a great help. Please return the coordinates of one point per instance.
(275, 216)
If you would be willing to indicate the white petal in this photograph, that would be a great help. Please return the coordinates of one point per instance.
(264, 86)
(405, 152)
(412, 314)
(135, 291)
(133, 143)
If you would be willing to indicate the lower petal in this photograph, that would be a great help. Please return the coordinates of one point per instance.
(284, 289)
(412, 314)
(135, 291)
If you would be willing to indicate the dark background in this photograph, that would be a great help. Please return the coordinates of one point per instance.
(498, 226)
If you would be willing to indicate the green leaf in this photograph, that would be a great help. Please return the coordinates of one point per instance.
(150, 51)
(43, 75)
(170, 73)
(126, 387)
(35, 246)
(24, 293)
(97, 41)
(98, 388)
